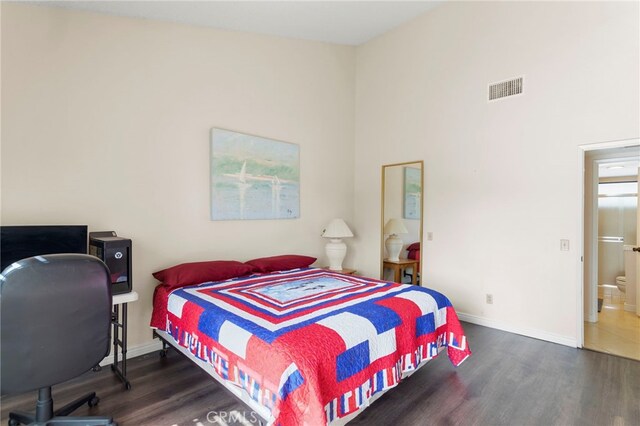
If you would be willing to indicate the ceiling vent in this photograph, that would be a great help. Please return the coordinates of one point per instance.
(505, 88)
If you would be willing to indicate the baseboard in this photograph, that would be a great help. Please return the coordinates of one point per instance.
(629, 307)
(134, 351)
(523, 331)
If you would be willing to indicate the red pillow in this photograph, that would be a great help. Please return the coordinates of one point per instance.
(414, 246)
(202, 272)
(414, 254)
(281, 263)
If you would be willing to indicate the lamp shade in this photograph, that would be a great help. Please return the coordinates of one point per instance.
(395, 227)
(337, 228)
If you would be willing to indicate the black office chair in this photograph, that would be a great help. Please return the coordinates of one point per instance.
(55, 318)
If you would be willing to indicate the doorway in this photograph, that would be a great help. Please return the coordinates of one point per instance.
(611, 218)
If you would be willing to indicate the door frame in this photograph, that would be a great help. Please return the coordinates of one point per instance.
(589, 248)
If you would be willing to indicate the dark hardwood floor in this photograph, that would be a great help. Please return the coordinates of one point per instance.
(509, 380)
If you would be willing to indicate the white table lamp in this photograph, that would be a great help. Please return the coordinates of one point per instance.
(393, 244)
(336, 250)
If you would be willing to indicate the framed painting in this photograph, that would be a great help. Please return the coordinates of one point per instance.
(411, 193)
(253, 177)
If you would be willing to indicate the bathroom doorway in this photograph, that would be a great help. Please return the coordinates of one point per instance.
(612, 321)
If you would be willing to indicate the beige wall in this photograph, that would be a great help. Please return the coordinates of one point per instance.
(106, 120)
(503, 179)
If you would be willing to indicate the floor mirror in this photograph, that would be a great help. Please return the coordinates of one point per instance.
(402, 222)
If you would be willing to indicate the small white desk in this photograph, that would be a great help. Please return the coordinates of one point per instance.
(119, 321)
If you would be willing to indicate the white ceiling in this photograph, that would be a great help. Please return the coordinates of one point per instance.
(342, 22)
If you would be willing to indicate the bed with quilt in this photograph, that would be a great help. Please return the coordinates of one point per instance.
(307, 345)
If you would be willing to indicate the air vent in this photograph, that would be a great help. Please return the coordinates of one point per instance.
(505, 88)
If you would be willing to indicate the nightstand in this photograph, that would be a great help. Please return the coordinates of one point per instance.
(342, 271)
(397, 266)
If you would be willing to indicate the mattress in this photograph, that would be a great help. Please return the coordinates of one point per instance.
(310, 346)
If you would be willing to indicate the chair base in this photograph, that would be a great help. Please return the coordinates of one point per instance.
(69, 421)
(59, 417)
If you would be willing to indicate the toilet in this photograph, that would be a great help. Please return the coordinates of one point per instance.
(621, 283)
(629, 268)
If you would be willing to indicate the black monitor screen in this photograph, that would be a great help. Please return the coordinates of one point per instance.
(19, 242)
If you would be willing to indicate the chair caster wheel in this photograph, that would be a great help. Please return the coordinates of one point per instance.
(13, 422)
(128, 386)
(94, 401)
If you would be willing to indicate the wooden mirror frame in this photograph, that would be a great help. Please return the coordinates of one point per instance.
(421, 226)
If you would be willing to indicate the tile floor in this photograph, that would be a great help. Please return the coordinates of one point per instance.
(617, 331)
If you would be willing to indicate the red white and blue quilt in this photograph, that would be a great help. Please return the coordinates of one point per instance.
(310, 345)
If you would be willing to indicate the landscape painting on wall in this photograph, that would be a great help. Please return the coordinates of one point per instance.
(253, 177)
(412, 193)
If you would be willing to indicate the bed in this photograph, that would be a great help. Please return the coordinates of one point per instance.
(308, 346)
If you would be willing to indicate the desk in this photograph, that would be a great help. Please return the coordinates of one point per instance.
(400, 265)
(120, 344)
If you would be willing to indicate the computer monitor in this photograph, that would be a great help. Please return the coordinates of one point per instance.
(20, 242)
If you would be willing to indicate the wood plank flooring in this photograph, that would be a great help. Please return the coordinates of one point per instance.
(509, 380)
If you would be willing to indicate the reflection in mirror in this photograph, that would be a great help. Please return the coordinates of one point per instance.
(401, 227)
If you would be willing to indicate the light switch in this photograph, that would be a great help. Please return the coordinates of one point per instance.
(429, 236)
(564, 245)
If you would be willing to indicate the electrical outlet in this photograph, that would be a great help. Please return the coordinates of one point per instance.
(489, 299)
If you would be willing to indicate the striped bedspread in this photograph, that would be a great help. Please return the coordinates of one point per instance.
(310, 345)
